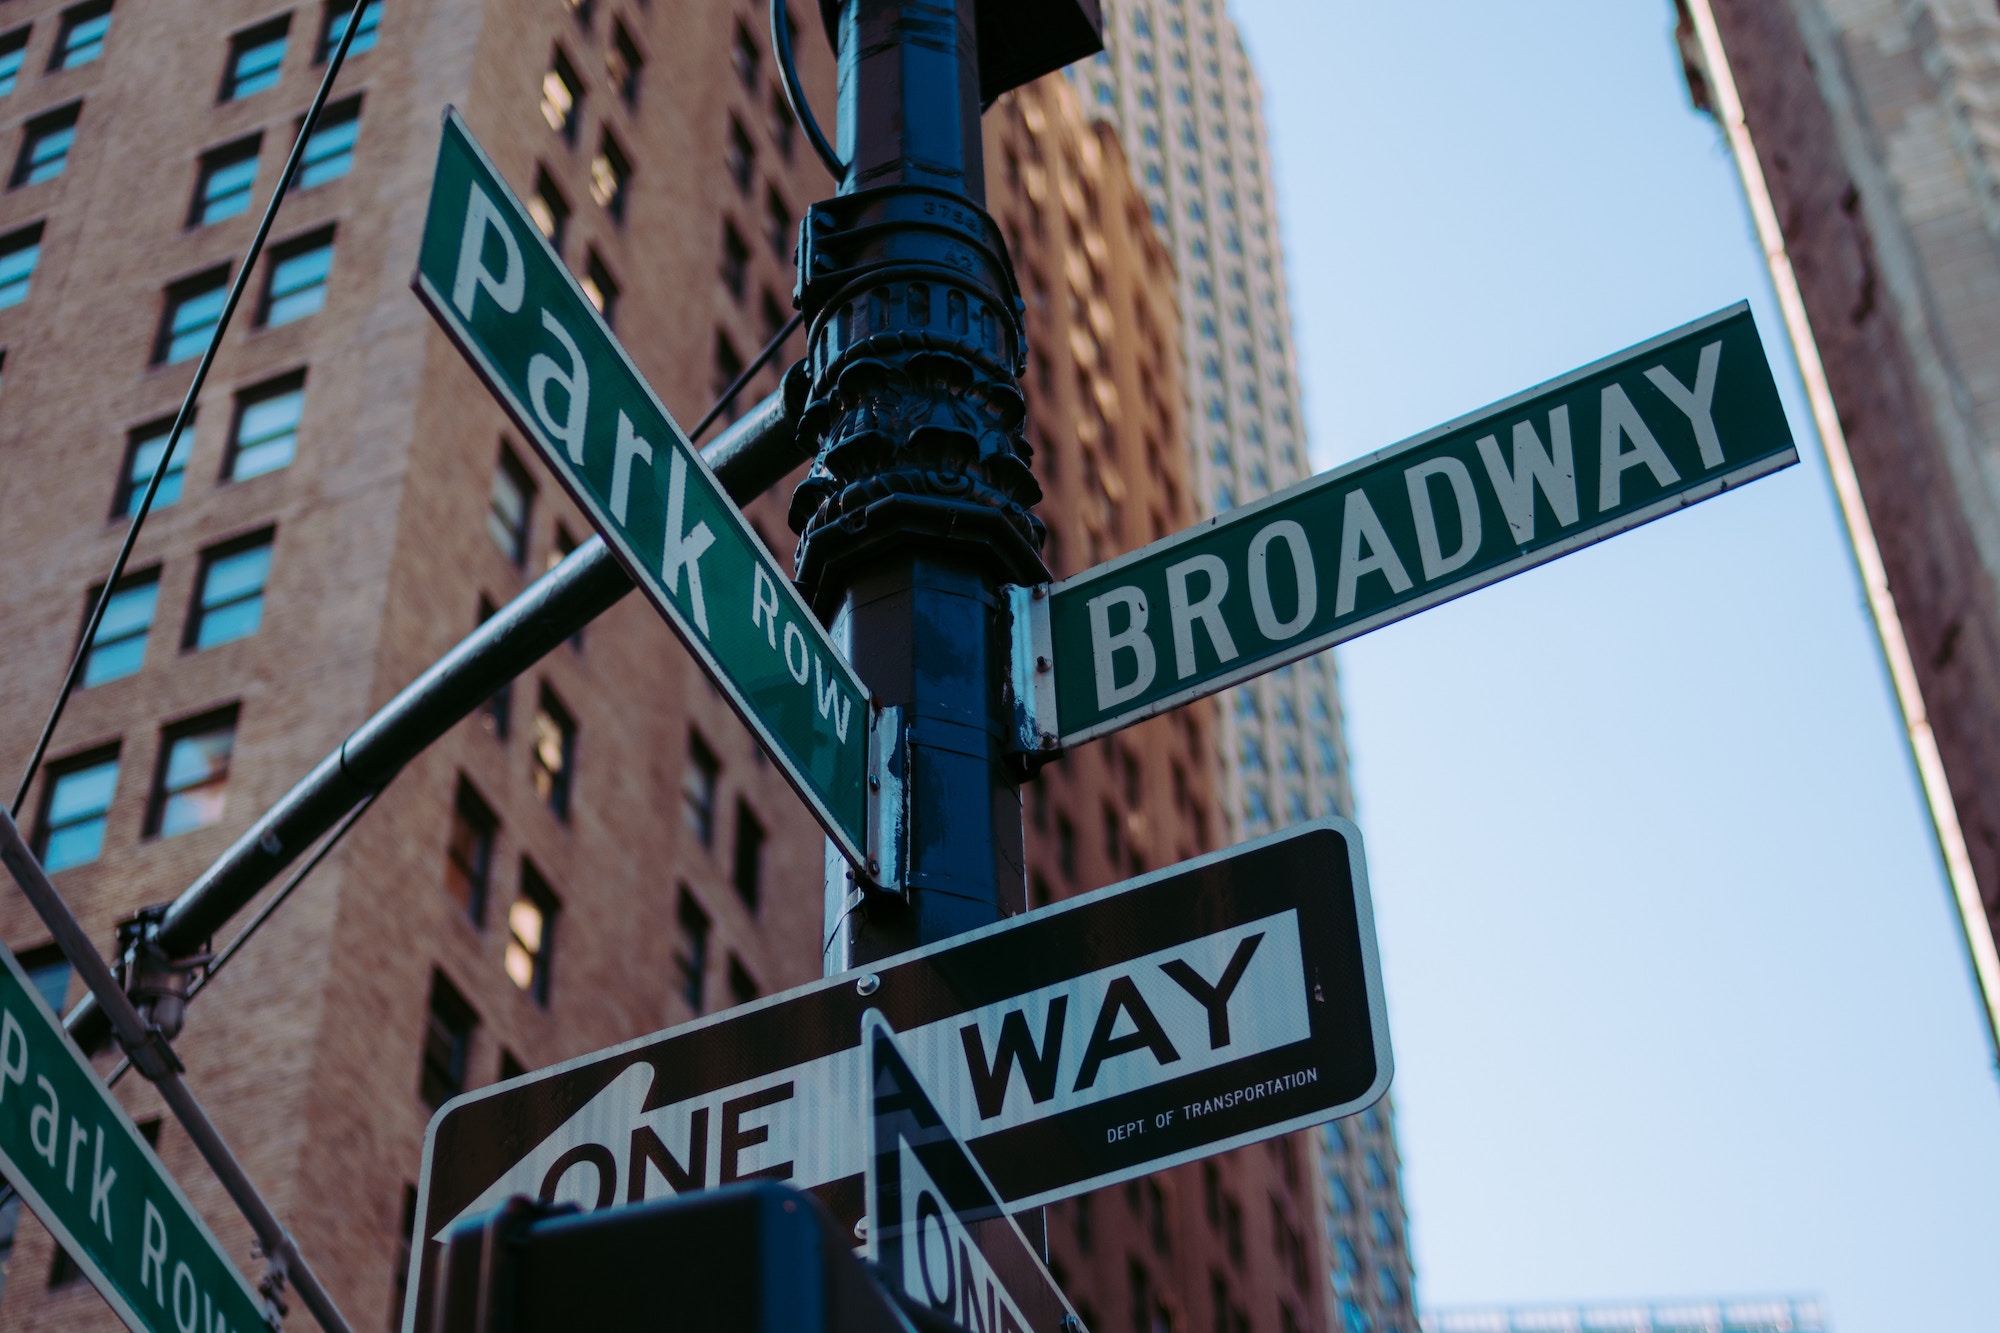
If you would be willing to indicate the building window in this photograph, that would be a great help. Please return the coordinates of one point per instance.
(405, 1237)
(266, 437)
(81, 39)
(13, 51)
(193, 308)
(229, 594)
(48, 972)
(222, 188)
(740, 157)
(469, 852)
(295, 281)
(448, 1029)
(509, 505)
(76, 800)
(548, 208)
(496, 714)
(555, 754)
(562, 96)
(45, 145)
(191, 786)
(600, 287)
(256, 59)
(531, 935)
(698, 789)
(693, 957)
(742, 986)
(745, 56)
(119, 647)
(337, 15)
(622, 62)
(144, 448)
(784, 126)
(728, 366)
(329, 152)
(735, 260)
(18, 253)
(778, 225)
(747, 871)
(610, 177)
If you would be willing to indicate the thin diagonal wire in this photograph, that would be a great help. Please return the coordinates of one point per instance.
(249, 265)
(736, 386)
(795, 93)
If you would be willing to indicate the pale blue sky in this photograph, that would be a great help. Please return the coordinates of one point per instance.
(1678, 1003)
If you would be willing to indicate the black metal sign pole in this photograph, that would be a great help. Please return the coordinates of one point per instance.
(917, 507)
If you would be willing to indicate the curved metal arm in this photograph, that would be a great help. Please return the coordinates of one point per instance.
(795, 96)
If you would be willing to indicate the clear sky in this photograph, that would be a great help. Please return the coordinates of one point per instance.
(1678, 1003)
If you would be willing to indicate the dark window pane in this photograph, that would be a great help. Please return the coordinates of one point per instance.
(562, 96)
(84, 28)
(193, 784)
(193, 309)
(18, 253)
(448, 1028)
(549, 208)
(296, 283)
(223, 188)
(531, 935)
(45, 145)
(229, 602)
(256, 59)
(267, 429)
(119, 647)
(329, 152)
(554, 754)
(747, 872)
(508, 507)
(469, 853)
(143, 450)
(698, 790)
(693, 958)
(337, 15)
(75, 803)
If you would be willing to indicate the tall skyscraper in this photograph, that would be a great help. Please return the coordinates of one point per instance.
(1868, 141)
(1177, 82)
(1229, 1243)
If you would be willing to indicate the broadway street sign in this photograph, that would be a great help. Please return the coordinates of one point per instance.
(1605, 448)
(505, 298)
(77, 1159)
(1204, 1006)
(936, 1228)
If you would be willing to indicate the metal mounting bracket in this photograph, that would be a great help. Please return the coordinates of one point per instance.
(1031, 677)
(888, 802)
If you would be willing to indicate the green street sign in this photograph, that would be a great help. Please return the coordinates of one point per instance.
(1673, 421)
(504, 296)
(82, 1166)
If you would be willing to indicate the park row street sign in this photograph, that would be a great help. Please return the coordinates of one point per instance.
(936, 1226)
(90, 1178)
(1208, 1005)
(491, 279)
(1633, 437)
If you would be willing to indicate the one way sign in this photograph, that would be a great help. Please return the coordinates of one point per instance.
(1199, 1008)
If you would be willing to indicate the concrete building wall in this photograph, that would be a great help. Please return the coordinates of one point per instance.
(1875, 125)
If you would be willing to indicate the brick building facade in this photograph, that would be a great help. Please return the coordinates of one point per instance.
(1869, 143)
(602, 851)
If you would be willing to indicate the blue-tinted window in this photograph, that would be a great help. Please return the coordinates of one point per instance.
(329, 152)
(142, 458)
(77, 802)
(193, 787)
(193, 310)
(223, 188)
(84, 28)
(230, 601)
(256, 59)
(297, 284)
(18, 253)
(13, 50)
(45, 146)
(337, 16)
(267, 429)
(118, 648)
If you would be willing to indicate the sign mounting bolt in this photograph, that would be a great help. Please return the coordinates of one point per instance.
(867, 984)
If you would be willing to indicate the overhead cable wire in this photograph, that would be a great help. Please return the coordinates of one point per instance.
(795, 93)
(744, 377)
(181, 418)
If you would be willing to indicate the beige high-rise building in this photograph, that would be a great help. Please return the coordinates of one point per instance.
(1177, 82)
(1229, 1243)
(601, 852)
(1867, 133)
